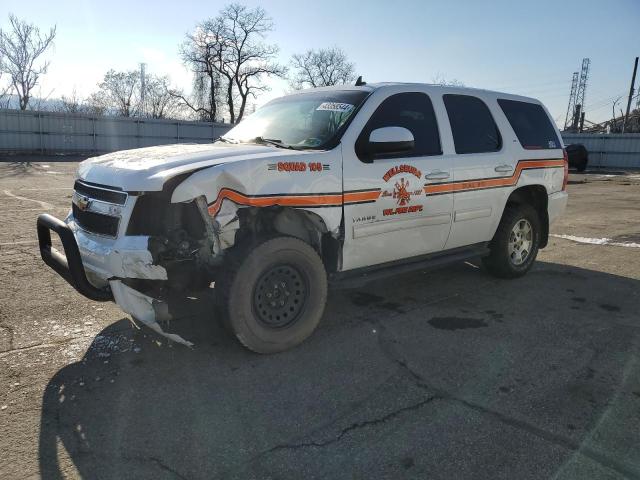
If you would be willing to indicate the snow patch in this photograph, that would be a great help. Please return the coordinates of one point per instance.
(597, 241)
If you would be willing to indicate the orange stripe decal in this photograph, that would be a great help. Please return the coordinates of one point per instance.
(352, 197)
(339, 199)
(492, 182)
(293, 200)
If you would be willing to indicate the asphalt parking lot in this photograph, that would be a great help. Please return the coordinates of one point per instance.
(446, 374)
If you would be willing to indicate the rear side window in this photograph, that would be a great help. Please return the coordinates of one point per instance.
(531, 124)
(411, 110)
(473, 127)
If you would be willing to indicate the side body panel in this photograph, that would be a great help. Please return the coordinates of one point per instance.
(308, 180)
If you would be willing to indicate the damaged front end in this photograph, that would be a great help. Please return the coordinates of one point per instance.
(182, 241)
(138, 249)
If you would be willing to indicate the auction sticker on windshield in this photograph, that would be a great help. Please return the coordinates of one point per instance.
(335, 107)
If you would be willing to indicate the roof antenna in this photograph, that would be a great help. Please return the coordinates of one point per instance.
(360, 82)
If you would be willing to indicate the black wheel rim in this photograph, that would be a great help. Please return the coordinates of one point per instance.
(280, 296)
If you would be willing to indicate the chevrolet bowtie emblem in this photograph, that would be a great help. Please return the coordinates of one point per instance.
(83, 203)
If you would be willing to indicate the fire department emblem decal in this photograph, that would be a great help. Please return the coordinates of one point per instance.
(401, 192)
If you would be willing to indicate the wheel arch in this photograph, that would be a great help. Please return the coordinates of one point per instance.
(311, 228)
(537, 197)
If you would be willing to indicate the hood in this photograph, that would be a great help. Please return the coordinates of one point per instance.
(147, 169)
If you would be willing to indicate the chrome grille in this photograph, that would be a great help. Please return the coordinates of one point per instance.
(97, 208)
(96, 222)
(100, 192)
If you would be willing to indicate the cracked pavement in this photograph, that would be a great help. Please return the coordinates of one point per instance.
(441, 374)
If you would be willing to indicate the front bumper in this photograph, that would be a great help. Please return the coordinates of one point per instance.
(103, 263)
(69, 266)
(105, 258)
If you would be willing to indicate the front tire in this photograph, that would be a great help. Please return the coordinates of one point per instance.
(515, 244)
(274, 294)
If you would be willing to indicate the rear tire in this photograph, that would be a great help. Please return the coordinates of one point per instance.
(516, 242)
(274, 294)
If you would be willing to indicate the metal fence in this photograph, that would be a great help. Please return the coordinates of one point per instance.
(609, 150)
(52, 132)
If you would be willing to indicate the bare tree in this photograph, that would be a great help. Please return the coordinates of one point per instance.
(97, 104)
(71, 104)
(159, 100)
(21, 47)
(321, 68)
(119, 92)
(229, 59)
(5, 97)
(202, 52)
(249, 58)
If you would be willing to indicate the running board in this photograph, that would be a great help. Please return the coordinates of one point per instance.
(361, 276)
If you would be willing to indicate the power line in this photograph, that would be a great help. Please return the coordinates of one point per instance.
(603, 101)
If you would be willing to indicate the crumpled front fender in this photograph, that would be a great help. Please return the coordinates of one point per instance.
(262, 183)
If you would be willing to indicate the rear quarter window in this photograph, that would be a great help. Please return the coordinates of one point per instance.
(531, 124)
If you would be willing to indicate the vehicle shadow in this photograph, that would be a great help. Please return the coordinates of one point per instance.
(26, 159)
(27, 166)
(17, 169)
(340, 405)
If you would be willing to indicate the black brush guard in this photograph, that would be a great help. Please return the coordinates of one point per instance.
(68, 266)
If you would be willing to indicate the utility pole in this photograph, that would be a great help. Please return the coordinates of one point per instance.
(631, 89)
(143, 87)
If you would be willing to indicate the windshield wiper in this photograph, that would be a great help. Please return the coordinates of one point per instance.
(226, 140)
(272, 141)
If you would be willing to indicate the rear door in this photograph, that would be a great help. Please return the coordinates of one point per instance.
(482, 165)
(387, 216)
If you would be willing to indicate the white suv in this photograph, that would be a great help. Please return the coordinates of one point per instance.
(326, 185)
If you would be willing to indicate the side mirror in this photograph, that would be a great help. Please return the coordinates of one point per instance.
(389, 140)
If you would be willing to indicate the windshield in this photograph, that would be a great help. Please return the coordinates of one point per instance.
(305, 120)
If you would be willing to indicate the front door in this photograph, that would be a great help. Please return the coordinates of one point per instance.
(387, 214)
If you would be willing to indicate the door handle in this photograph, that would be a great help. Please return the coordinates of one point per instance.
(504, 168)
(437, 175)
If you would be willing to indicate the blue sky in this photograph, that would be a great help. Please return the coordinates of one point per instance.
(529, 48)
